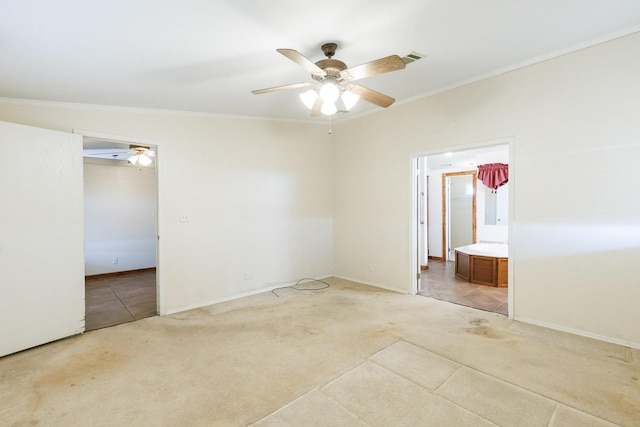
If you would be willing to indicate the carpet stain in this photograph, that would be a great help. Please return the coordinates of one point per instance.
(82, 367)
(478, 321)
(481, 328)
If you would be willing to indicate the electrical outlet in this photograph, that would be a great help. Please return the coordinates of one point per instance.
(370, 267)
(114, 261)
(185, 217)
(248, 275)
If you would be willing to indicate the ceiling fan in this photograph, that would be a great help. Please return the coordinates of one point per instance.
(336, 81)
(135, 154)
(142, 156)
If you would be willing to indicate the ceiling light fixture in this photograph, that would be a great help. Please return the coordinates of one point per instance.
(328, 108)
(330, 94)
(309, 98)
(349, 99)
(142, 157)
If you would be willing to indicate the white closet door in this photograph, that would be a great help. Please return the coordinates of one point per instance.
(41, 236)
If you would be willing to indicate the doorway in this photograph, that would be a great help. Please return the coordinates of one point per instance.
(120, 210)
(456, 208)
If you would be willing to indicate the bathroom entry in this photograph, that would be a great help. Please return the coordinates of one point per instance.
(459, 212)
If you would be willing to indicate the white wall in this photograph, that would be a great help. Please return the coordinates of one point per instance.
(259, 194)
(576, 231)
(119, 216)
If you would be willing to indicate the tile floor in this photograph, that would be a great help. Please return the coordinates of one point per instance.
(440, 282)
(119, 298)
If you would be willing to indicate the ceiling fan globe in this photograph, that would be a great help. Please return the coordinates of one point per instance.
(328, 108)
(329, 92)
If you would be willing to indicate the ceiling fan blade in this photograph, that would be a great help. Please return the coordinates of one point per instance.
(285, 87)
(315, 110)
(110, 153)
(372, 96)
(373, 68)
(301, 60)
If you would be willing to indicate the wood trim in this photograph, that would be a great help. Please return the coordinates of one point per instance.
(118, 273)
(474, 225)
(463, 268)
(436, 258)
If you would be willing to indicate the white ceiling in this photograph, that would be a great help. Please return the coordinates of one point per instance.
(207, 55)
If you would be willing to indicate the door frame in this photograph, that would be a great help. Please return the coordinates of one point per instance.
(160, 294)
(510, 141)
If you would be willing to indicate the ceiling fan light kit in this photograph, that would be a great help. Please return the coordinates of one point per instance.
(328, 108)
(349, 99)
(336, 91)
(309, 98)
(141, 157)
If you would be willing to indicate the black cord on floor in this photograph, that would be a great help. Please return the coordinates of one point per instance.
(326, 285)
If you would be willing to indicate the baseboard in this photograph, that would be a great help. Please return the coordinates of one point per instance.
(118, 273)
(436, 258)
(585, 334)
(235, 296)
(376, 285)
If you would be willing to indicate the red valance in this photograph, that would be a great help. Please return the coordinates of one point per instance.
(493, 175)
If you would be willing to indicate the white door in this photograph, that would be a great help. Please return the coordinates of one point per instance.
(460, 212)
(41, 237)
(423, 229)
(422, 232)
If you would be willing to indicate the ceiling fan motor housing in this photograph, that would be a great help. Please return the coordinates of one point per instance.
(330, 66)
